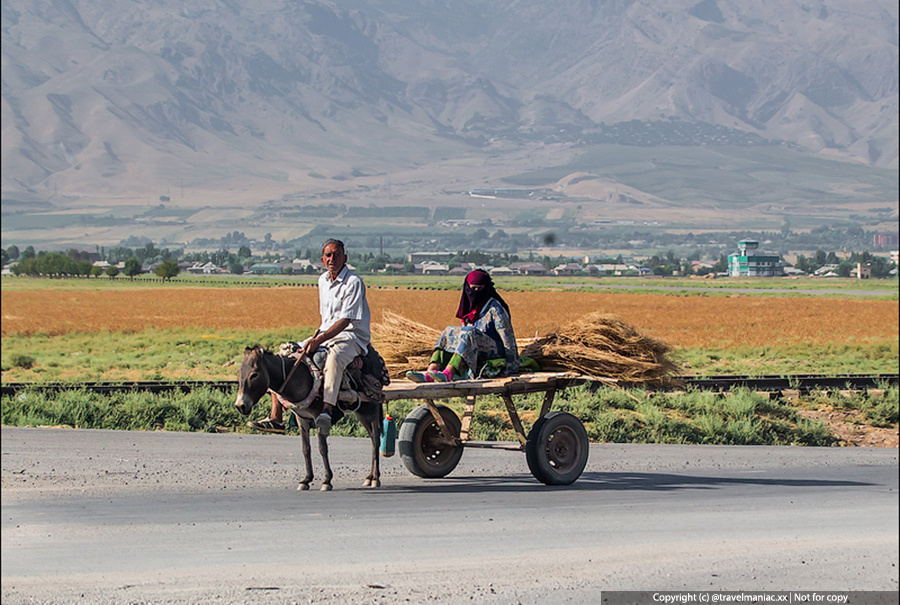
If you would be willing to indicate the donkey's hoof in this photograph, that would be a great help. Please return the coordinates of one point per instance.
(372, 483)
(303, 487)
(326, 487)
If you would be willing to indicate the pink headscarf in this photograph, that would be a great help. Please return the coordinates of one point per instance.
(472, 301)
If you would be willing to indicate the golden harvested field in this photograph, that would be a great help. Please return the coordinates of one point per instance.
(683, 321)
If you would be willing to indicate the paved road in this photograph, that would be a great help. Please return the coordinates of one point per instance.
(139, 517)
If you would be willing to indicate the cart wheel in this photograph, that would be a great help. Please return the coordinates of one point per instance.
(557, 449)
(420, 446)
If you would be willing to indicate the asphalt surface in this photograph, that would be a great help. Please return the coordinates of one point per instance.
(156, 517)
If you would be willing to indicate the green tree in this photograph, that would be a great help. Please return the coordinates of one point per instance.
(236, 268)
(844, 268)
(721, 265)
(52, 264)
(13, 252)
(112, 271)
(244, 252)
(167, 269)
(96, 271)
(148, 252)
(19, 269)
(132, 268)
(28, 252)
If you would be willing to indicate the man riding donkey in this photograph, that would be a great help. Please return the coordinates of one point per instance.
(344, 333)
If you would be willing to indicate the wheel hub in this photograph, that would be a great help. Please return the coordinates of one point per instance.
(561, 448)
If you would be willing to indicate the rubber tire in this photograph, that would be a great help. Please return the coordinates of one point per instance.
(557, 449)
(422, 457)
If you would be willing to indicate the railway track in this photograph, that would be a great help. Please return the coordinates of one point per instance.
(798, 382)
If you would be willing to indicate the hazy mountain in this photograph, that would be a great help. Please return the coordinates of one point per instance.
(131, 98)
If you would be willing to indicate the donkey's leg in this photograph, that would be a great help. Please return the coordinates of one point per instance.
(307, 455)
(323, 450)
(373, 427)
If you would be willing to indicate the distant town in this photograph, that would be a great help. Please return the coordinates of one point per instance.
(747, 259)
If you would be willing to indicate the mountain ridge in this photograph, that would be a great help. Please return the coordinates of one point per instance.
(103, 100)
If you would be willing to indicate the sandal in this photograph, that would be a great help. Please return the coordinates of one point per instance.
(416, 376)
(267, 426)
(437, 376)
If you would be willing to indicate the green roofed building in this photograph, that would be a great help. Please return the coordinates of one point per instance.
(749, 262)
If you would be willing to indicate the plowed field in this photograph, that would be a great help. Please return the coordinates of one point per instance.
(684, 321)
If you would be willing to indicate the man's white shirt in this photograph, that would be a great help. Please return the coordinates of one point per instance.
(345, 298)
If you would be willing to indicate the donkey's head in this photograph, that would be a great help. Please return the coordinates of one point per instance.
(253, 379)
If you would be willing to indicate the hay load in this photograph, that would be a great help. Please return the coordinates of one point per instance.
(603, 345)
(404, 344)
(597, 344)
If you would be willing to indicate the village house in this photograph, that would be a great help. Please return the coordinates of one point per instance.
(826, 271)
(207, 268)
(392, 267)
(861, 271)
(421, 257)
(567, 269)
(531, 268)
(602, 269)
(266, 269)
(431, 267)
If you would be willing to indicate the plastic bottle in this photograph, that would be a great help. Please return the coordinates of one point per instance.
(388, 437)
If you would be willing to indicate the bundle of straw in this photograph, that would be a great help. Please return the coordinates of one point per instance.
(603, 345)
(404, 344)
(598, 344)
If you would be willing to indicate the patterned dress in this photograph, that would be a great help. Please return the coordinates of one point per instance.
(491, 336)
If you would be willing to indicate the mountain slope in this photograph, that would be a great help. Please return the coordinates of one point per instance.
(108, 99)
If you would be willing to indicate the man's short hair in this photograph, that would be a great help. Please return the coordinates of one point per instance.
(330, 241)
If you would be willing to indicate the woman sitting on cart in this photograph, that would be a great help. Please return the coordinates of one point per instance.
(484, 345)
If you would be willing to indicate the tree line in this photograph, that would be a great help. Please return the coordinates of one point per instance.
(78, 263)
(57, 264)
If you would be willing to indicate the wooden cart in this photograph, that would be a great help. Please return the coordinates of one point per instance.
(432, 437)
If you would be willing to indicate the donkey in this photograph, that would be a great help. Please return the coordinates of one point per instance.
(297, 383)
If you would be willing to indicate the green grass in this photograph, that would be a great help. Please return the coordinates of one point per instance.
(186, 354)
(674, 286)
(199, 410)
(802, 358)
(192, 354)
(741, 417)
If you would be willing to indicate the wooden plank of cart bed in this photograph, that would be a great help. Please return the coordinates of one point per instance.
(525, 383)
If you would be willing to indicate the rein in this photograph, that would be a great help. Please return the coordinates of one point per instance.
(287, 375)
(314, 389)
